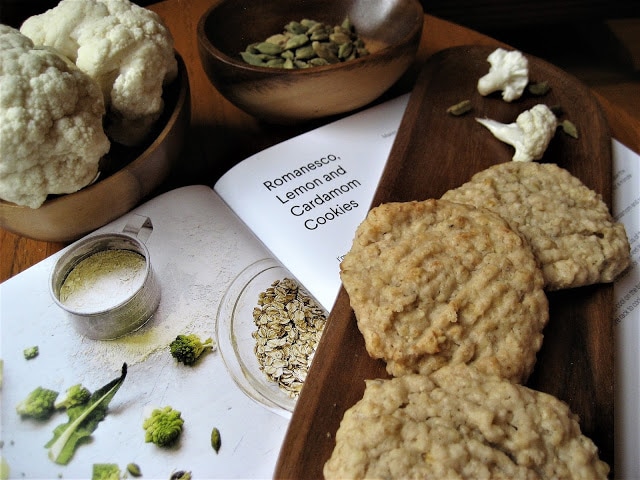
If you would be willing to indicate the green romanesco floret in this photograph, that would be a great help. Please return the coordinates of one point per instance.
(187, 349)
(105, 471)
(39, 404)
(75, 395)
(31, 352)
(163, 426)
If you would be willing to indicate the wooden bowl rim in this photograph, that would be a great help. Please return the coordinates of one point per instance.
(407, 40)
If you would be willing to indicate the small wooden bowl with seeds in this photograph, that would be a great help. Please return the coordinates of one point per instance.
(286, 61)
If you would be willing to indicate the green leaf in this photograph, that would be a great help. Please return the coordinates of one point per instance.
(83, 420)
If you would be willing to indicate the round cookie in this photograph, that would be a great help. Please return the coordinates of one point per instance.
(436, 282)
(459, 423)
(568, 226)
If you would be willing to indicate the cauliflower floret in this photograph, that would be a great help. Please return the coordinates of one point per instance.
(509, 72)
(51, 133)
(126, 48)
(529, 135)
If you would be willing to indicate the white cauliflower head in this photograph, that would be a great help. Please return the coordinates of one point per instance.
(529, 135)
(126, 48)
(51, 133)
(509, 73)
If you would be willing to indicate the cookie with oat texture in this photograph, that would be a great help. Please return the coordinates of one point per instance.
(437, 282)
(569, 227)
(459, 423)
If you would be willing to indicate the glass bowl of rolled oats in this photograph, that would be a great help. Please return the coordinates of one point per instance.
(267, 330)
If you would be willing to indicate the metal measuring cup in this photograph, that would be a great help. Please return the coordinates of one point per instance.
(125, 316)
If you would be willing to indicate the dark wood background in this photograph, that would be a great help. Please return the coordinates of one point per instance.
(482, 15)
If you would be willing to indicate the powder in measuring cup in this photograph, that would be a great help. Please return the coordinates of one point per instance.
(103, 280)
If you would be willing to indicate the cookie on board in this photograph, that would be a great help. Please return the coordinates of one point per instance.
(459, 423)
(437, 282)
(569, 227)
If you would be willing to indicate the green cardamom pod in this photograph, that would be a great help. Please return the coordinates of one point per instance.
(216, 440)
(269, 48)
(345, 50)
(305, 53)
(539, 89)
(277, 62)
(460, 108)
(340, 38)
(569, 128)
(252, 59)
(346, 24)
(323, 50)
(295, 28)
(319, 36)
(134, 470)
(296, 41)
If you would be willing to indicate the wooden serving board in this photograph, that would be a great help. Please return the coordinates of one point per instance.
(433, 152)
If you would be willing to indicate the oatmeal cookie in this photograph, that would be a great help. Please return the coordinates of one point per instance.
(459, 423)
(568, 226)
(436, 282)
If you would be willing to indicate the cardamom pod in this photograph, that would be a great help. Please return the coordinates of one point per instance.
(319, 36)
(296, 41)
(305, 53)
(345, 50)
(278, 39)
(539, 89)
(252, 59)
(569, 128)
(323, 51)
(277, 62)
(134, 470)
(340, 37)
(216, 440)
(460, 108)
(269, 48)
(295, 27)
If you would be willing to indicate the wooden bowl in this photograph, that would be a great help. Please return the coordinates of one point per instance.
(128, 175)
(391, 31)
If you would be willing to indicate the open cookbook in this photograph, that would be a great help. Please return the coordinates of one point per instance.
(297, 203)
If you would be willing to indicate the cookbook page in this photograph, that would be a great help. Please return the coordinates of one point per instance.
(626, 199)
(197, 249)
(305, 197)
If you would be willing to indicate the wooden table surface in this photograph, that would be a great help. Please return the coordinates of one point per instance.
(221, 135)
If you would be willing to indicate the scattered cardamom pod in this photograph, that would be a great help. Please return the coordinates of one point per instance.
(216, 440)
(569, 128)
(460, 108)
(134, 470)
(539, 89)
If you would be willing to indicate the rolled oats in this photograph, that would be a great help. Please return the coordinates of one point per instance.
(289, 324)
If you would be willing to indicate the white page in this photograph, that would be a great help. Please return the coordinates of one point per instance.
(197, 249)
(284, 213)
(626, 208)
